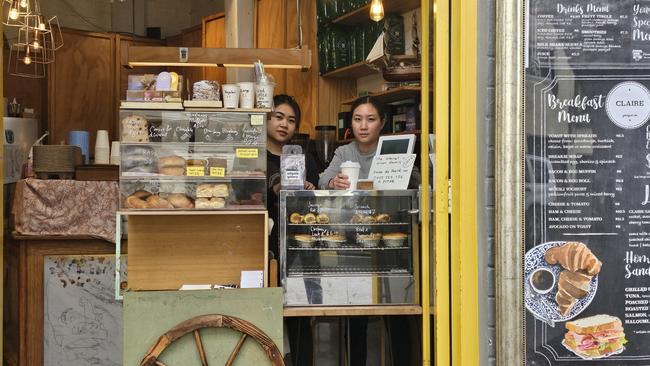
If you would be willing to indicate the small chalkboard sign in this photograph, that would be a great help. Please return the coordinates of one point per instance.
(391, 171)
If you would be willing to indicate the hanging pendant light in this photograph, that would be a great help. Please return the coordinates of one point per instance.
(38, 38)
(376, 10)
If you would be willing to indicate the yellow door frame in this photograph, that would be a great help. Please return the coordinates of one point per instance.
(441, 309)
(464, 246)
(425, 196)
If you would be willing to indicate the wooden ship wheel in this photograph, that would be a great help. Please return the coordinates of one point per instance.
(194, 325)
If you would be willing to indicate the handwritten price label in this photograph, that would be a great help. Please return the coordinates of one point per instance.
(257, 119)
(247, 153)
(195, 171)
(392, 171)
(217, 172)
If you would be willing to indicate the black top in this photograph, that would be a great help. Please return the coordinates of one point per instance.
(273, 200)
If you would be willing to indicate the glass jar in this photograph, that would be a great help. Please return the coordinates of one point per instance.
(325, 142)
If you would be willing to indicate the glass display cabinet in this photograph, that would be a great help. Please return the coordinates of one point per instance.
(349, 247)
(192, 160)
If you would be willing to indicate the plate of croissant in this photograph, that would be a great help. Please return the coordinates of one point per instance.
(560, 280)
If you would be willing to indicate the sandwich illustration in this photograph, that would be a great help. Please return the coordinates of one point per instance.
(579, 265)
(596, 336)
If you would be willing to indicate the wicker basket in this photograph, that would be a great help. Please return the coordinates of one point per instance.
(56, 158)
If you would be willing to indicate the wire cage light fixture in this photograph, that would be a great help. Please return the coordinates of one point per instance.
(38, 38)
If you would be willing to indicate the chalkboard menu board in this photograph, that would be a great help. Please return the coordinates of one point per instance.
(587, 183)
(584, 34)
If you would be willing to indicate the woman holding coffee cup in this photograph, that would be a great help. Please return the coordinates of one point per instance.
(352, 162)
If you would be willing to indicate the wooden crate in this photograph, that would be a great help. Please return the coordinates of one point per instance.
(169, 249)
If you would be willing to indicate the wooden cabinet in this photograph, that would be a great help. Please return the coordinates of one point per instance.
(213, 35)
(24, 291)
(80, 86)
(170, 249)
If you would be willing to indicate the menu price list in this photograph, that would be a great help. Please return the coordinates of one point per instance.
(579, 33)
(590, 139)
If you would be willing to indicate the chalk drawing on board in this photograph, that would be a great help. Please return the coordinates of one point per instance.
(82, 320)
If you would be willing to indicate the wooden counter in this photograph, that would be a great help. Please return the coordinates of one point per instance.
(24, 290)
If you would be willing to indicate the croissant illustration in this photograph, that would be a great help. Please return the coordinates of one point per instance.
(571, 286)
(574, 256)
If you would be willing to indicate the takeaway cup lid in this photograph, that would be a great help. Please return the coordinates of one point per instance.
(350, 164)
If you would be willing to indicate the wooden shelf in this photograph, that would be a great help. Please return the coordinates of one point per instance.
(353, 71)
(273, 58)
(353, 310)
(362, 15)
(392, 95)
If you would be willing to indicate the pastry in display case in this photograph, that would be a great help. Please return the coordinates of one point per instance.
(349, 247)
(192, 160)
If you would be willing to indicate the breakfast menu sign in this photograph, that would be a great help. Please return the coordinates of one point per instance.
(587, 185)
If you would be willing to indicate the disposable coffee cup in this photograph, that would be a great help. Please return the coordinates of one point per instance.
(246, 94)
(115, 153)
(102, 139)
(102, 155)
(351, 169)
(264, 95)
(230, 95)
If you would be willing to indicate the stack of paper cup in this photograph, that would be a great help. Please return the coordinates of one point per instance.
(230, 95)
(246, 94)
(115, 153)
(80, 138)
(102, 148)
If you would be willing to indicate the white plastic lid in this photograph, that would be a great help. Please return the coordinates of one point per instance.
(350, 164)
(266, 79)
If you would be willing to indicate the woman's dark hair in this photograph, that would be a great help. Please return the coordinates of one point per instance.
(379, 106)
(281, 99)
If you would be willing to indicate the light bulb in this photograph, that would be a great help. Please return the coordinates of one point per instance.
(23, 3)
(41, 26)
(36, 44)
(27, 60)
(376, 10)
(13, 13)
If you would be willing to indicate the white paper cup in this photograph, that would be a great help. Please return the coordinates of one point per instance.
(115, 153)
(264, 95)
(102, 139)
(102, 155)
(246, 94)
(230, 95)
(351, 169)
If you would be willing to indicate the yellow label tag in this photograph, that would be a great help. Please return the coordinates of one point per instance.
(217, 172)
(247, 153)
(195, 171)
(257, 119)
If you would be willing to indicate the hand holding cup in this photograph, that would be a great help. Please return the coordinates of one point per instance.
(340, 181)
